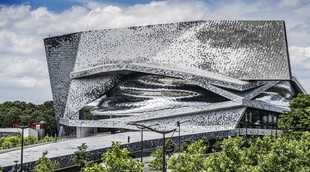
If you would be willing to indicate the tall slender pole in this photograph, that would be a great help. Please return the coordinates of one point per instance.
(246, 130)
(276, 125)
(22, 147)
(164, 153)
(272, 125)
(141, 145)
(178, 124)
(22, 151)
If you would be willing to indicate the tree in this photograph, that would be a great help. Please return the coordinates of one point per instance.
(11, 141)
(117, 159)
(45, 165)
(29, 140)
(190, 160)
(170, 147)
(157, 163)
(258, 147)
(46, 138)
(27, 113)
(286, 154)
(82, 157)
(229, 158)
(298, 117)
(94, 168)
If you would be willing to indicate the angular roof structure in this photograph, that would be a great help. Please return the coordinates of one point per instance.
(237, 60)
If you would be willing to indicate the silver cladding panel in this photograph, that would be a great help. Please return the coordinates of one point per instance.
(248, 50)
(61, 54)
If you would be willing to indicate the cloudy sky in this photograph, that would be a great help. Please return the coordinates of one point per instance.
(24, 24)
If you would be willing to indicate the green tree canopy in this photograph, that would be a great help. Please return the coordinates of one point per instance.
(117, 159)
(82, 157)
(94, 168)
(190, 160)
(284, 153)
(170, 147)
(28, 113)
(156, 163)
(298, 117)
(45, 165)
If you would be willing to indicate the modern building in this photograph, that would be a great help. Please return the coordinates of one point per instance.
(213, 75)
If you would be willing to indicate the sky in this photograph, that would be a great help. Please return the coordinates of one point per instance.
(25, 23)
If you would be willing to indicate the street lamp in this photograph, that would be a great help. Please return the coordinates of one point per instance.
(141, 153)
(179, 126)
(164, 139)
(16, 161)
(22, 147)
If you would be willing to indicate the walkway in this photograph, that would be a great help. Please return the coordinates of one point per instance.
(68, 147)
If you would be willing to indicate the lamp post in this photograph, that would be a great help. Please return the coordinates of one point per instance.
(141, 153)
(22, 147)
(16, 161)
(164, 139)
(179, 126)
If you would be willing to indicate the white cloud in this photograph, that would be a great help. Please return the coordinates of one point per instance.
(23, 82)
(300, 63)
(23, 67)
(300, 58)
(288, 4)
(22, 30)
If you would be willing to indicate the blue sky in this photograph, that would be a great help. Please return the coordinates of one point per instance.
(24, 25)
(61, 5)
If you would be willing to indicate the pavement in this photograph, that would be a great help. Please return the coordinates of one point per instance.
(67, 147)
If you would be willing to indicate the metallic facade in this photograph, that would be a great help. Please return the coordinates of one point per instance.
(209, 73)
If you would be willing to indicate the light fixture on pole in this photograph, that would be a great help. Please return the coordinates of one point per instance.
(22, 146)
(16, 161)
(164, 139)
(179, 126)
(141, 153)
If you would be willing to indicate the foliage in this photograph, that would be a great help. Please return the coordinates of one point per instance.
(217, 145)
(1, 169)
(170, 147)
(82, 157)
(229, 158)
(28, 113)
(45, 165)
(15, 141)
(190, 160)
(46, 138)
(117, 159)
(284, 153)
(10, 141)
(157, 163)
(298, 117)
(94, 168)
(29, 140)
